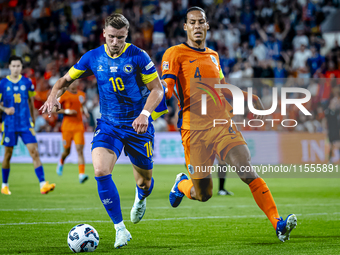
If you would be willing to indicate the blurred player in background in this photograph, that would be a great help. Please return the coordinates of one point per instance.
(129, 92)
(202, 141)
(333, 126)
(16, 93)
(72, 127)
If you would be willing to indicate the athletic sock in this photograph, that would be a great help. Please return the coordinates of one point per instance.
(42, 184)
(142, 194)
(264, 200)
(109, 196)
(39, 171)
(119, 225)
(222, 181)
(81, 169)
(5, 174)
(185, 187)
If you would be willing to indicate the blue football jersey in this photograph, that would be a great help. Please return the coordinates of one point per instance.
(16, 95)
(121, 82)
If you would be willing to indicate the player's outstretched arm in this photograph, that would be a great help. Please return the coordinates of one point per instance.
(155, 97)
(58, 89)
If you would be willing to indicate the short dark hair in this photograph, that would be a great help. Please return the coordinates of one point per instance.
(194, 8)
(117, 21)
(13, 58)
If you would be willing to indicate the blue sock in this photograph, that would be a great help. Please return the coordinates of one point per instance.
(109, 196)
(39, 171)
(145, 193)
(5, 174)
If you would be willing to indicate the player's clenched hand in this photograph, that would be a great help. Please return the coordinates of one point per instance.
(259, 106)
(49, 104)
(10, 111)
(140, 124)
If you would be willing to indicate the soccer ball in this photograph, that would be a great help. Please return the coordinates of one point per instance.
(83, 238)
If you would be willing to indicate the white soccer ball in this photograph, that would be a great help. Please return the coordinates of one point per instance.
(83, 238)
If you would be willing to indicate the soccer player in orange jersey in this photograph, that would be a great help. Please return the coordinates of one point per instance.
(194, 69)
(72, 128)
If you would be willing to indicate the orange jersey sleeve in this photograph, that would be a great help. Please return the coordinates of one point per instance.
(170, 69)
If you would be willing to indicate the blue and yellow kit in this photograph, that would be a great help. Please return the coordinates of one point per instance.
(16, 94)
(122, 95)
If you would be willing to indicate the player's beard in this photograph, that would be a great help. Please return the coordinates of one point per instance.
(115, 50)
(198, 42)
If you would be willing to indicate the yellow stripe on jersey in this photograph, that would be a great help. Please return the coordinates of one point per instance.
(221, 75)
(3, 133)
(156, 115)
(9, 78)
(0, 96)
(125, 47)
(31, 93)
(146, 78)
(75, 73)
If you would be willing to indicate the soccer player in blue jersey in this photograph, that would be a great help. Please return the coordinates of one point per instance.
(16, 93)
(129, 92)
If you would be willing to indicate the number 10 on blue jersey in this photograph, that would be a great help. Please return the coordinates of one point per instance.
(117, 84)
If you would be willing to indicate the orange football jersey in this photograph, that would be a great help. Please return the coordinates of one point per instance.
(189, 73)
(73, 102)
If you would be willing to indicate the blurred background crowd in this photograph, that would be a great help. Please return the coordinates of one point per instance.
(256, 39)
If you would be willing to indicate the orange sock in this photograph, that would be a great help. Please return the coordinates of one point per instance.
(81, 169)
(61, 161)
(185, 187)
(264, 199)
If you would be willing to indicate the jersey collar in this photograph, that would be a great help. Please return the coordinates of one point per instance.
(126, 46)
(9, 78)
(200, 50)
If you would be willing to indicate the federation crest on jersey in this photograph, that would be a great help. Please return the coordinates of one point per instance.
(214, 60)
(128, 68)
(81, 99)
(23, 87)
(165, 65)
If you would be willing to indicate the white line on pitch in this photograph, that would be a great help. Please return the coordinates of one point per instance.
(155, 208)
(164, 219)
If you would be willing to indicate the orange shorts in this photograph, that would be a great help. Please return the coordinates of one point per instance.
(76, 136)
(201, 147)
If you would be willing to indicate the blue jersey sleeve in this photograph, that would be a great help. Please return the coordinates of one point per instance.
(30, 86)
(160, 109)
(82, 67)
(1, 89)
(147, 67)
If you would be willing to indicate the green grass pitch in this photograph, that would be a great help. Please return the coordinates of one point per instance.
(32, 223)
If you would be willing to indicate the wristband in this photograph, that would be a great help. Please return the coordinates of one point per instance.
(67, 111)
(146, 113)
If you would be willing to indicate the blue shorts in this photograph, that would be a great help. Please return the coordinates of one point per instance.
(10, 139)
(139, 147)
